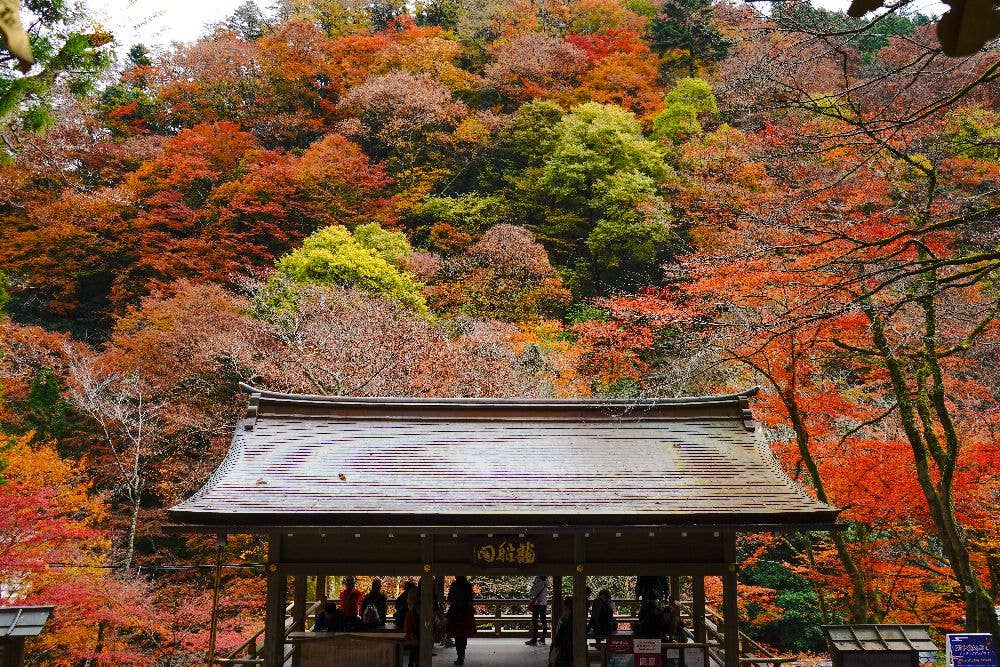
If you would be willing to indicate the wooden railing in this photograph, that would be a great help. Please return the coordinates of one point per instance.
(512, 618)
(751, 652)
(249, 652)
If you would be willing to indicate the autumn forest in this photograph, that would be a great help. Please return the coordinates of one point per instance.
(499, 198)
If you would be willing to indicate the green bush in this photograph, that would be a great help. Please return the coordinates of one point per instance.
(367, 260)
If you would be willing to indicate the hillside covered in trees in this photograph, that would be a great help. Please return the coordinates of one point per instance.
(491, 198)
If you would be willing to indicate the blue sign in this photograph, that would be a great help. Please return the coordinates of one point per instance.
(971, 650)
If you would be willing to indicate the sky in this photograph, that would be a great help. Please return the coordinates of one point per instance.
(159, 22)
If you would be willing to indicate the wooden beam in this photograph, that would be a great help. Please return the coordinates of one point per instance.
(698, 608)
(730, 618)
(580, 658)
(274, 607)
(453, 568)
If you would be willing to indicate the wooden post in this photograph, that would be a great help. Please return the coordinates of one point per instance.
(557, 601)
(426, 620)
(698, 608)
(298, 612)
(274, 611)
(675, 587)
(580, 658)
(13, 649)
(731, 619)
(321, 587)
(216, 585)
(299, 603)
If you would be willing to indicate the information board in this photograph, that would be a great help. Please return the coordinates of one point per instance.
(971, 650)
(630, 652)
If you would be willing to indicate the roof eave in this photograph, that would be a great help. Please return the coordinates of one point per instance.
(211, 522)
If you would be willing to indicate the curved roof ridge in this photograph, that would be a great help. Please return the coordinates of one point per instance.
(710, 399)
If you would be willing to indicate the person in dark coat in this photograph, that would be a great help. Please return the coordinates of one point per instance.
(602, 616)
(644, 583)
(461, 615)
(650, 623)
(377, 601)
(329, 619)
(399, 615)
(561, 653)
(411, 625)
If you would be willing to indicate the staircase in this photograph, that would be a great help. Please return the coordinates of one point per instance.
(251, 652)
(751, 653)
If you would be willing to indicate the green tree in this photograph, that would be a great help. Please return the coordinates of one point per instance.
(368, 260)
(870, 35)
(608, 224)
(974, 133)
(129, 104)
(248, 21)
(4, 292)
(685, 28)
(690, 100)
(797, 629)
(47, 412)
(529, 137)
(470, 212)
(64, 53)
(443, 13)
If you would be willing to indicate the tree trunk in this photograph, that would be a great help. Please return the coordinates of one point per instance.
(861, 607)
(918, 423)
(136, 498)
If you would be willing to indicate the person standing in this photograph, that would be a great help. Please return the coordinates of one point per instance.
(411, 625)
(400, 604)
(538, 600)
(375, 605)
(650, 623)
(602, 616)
(350, 598)
(561, 653)
(645, 583)
(461, 615)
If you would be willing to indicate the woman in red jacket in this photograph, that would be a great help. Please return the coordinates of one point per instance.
(350, 598)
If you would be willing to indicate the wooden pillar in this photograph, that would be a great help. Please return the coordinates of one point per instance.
(426, 620)
(274, 607)
(731, 619)
(298, 611)
(299, 603)
(698, 608)
(13, 649)
(579, 619)
(557, 601)
(675, 588)
(321, 587)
